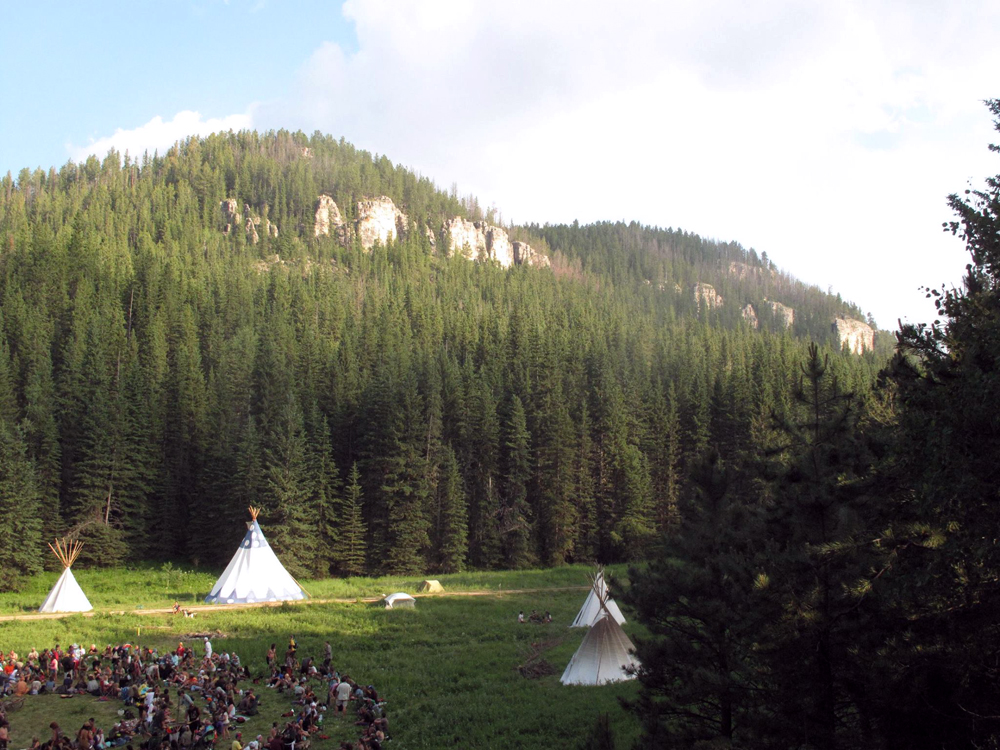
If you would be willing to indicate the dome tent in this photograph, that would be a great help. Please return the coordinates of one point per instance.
(255, 574)
(399, 600)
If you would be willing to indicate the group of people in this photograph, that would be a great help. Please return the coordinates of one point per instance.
(535, 617)
(317, 687)
(183, 701)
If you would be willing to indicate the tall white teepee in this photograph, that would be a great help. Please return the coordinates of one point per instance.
(591, 609)
(254, 574)
(605, 653)
(66, 595)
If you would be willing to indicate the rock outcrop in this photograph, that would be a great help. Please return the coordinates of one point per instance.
(526, 255)
(230, 214)
(477, 240)
(379, 221)
(327, 216)
(750, 315)
(782, 313)
(498, 246)
(465, 238)
(231, 217)
(706, 296)
(857, 336)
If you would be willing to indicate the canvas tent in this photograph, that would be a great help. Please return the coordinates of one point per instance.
(255, 574)
(603, 655)
(591, 609)
(399, 601)
(431, 587)
(66, 595)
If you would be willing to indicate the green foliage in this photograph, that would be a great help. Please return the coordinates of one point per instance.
(165, 374)
(20, 517)
(940, 553)
(699, 674)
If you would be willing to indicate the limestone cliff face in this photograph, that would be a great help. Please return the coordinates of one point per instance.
(782, 313)
(465, 238)
(856, 335)
(327, 216)
(481, 241)
(750, 315)
(379, 221)
(498, 246)
(526, 255)
(706, 296)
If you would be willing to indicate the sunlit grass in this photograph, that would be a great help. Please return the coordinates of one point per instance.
(447, 668)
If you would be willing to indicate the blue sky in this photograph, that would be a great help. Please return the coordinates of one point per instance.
(826, 134)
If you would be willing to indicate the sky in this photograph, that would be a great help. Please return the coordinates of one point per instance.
(827, 135)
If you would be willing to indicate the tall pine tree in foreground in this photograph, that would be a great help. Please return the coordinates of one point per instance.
(815, 572)
(698, 675)
(942, 554)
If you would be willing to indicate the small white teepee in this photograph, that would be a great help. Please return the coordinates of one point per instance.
(254, 574)
(605, 653)
(66, 595)
(592, 609)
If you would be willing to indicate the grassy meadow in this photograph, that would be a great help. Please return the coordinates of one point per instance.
(448, 669)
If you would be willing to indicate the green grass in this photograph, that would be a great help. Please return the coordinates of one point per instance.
(158, 586)
(447, 668)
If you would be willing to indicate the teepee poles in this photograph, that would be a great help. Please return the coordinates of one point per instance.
(67, 551)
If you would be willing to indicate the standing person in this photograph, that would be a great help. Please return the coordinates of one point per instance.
(343, 695)
(327, 654)
(272, 654)
(208, 648)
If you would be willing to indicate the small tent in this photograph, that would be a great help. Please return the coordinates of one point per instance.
(399, 601)
(255, 574)
(592, 608)
(431, 587)
(66, 595)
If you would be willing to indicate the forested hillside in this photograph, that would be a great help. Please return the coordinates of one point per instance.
(392, 409)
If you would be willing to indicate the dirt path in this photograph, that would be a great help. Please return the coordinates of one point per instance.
(199, 608)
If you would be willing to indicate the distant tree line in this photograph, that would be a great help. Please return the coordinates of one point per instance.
(391, 411)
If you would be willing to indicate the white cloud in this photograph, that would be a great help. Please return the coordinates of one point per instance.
(157, 135)
(825, 134)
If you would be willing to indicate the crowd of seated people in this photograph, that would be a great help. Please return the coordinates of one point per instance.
(184, 701)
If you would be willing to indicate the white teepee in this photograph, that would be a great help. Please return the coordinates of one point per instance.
(605, 653)
(591, 609)
(254, 574)
(66, 595)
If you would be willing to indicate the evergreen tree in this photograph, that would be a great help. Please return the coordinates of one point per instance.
(699, 681)
(817, 571)
(941, 471)
(349, 552)
(450, 537)
(20, 520)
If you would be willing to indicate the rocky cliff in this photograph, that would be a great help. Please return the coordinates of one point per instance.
(327, 217)
(465, 238)
(379, 221)
(479, 241)
(750, 315)
(525, 255)
(705, 295)
(782, 313)
(249, 220)
(856, 335)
